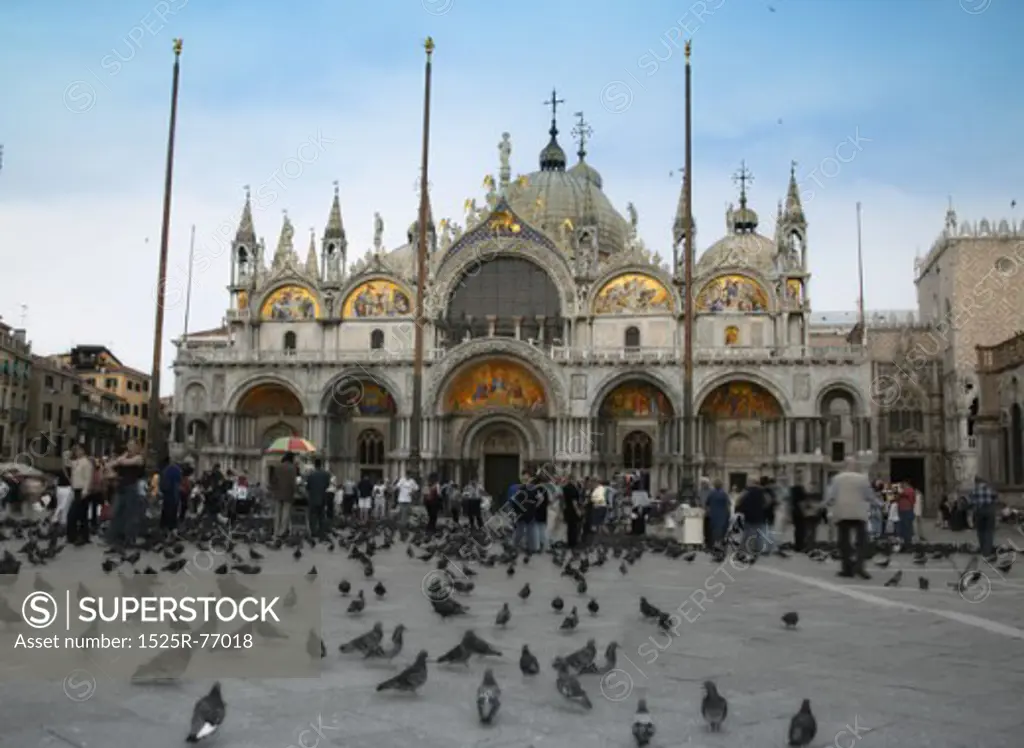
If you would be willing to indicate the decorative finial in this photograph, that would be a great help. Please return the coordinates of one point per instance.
(177, 47)
(742, 177)
(284, 212)
(792, 168)
(248, 192)
(582, 132)
(553, 103)
(686, 51)
(336, 185)
(429, 45)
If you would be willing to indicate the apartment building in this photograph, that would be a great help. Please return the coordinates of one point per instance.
(15, 381)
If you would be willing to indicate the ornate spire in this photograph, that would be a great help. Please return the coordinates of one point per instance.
(744, 220)
(504, 167)
(312, 267)
(683, 222)
(335, 228)
(951, 217)
(246, 233)
(582, 132)
(794, 213)
(552, 158)
(285, 251)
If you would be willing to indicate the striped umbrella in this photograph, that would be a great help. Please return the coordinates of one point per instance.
(290, 444)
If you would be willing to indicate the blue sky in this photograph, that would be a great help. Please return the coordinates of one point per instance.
(930, 91)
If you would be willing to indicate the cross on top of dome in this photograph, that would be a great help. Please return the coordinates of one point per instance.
(742, 177)
(582, 132)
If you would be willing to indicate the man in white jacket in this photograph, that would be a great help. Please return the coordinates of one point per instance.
(849, 498)
(80, 469)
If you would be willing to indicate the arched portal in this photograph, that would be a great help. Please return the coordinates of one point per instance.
(634, 431)
(360, 427)
(740, 432)
(507, 297)
(265, 412)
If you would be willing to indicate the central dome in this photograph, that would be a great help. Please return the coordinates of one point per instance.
(741, 247)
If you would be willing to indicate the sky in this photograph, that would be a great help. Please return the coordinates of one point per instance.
(897, 105)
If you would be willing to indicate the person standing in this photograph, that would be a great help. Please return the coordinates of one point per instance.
(542, 500)
(473, 501)
(598, 507)
(170, 495)
(752, 505)
(317, 484)
(129, 470)
(283, 481)
(332, 492)
(365, 491)
(380, 500)
(718, 512)
(432, 503)
(798, 515)
(850, 497)
(349, 494)
(63, 494)
(81, 480)
(983, 500)
(905, 506)
(571, 512)
(406, 487)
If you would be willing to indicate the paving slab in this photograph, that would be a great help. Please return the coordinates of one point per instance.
(882, 667)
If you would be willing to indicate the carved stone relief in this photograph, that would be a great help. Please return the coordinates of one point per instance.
(578, 387)
(802, 387)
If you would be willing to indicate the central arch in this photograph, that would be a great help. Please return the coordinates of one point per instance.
(739, 422)
(635, 428)
(359, 429)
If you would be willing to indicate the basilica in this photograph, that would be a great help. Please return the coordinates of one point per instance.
(553, 337)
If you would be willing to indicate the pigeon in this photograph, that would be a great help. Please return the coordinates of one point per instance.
(528, 664)
(409, 679)
(364, 642)
(448, 607)
(255, 555)
(458, 655)
(524, 593)
(488, 698)
(581, 658)
(713, 707)
(311, 574)
(623, 569)
(207, 715)
(571, 621)
(175, 566)
(291, 599)
(569, 686)
(396, 646)
(593, 607)
(478, 646)
(222, 569)
(919, 560)
(379, 589)
(1004, 563)
(503, 616)
(357, 605)
(922, 583)
(791, 619)
(344, 587)
(511, 570)
(894, 581)
(462, 586)
(803, 727)
(643, 727)
(557, 604)
(647, 610)
(315, 645)
(298, 553)
(109, 565)
(581, 587)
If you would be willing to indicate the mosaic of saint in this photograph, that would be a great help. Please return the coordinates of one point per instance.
(495, 383)
(243, 299)
(633, 292)
(636, 400)
(369, 398)
(732, 335)
(794, 291)
(379, 298)
(741, 400)
(290, 304)
(732, 293)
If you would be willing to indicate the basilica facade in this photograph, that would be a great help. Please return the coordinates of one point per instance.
(553, 337)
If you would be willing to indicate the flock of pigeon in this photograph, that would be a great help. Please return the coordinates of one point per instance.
(454, 553)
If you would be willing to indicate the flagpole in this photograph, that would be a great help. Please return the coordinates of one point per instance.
(188, 288)
(416, 425)
(687, 484)
(156, 444)
(860, 278)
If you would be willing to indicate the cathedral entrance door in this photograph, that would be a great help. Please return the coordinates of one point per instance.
(737, 481)
(500, 472)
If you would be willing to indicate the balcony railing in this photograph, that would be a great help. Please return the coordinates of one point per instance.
(561, 354)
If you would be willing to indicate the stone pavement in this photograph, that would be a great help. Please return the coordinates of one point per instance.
(882, 667)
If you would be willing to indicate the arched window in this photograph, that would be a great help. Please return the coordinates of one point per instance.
(632, 338)
(290, 341)
(637, 451)
(377, 339)
(371, 448)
